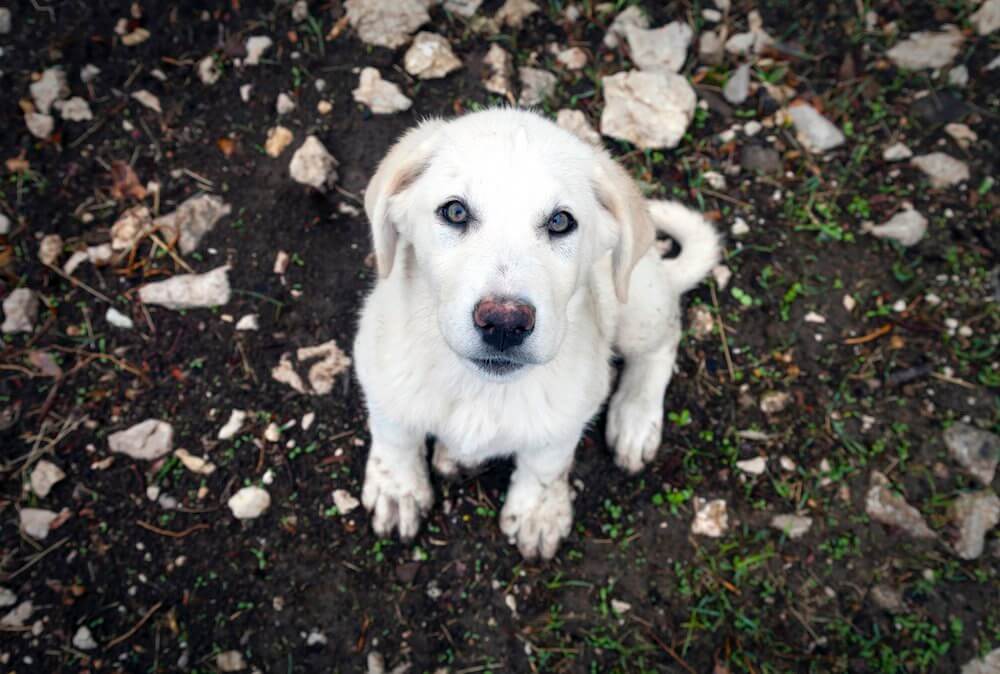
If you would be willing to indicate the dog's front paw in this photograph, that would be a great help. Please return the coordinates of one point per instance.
(536, 519)
(397, 494)
(634, 430)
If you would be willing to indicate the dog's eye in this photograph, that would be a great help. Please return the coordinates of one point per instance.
(454, 213)
(561, 223)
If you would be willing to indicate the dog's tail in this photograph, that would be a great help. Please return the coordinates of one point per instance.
(700, 246)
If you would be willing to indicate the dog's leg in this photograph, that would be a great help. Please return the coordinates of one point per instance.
(442, 460)
(538, 512)
(397, 488)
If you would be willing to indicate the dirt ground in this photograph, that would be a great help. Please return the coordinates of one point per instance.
(147, 556)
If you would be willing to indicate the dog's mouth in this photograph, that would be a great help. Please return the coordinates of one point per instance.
(497, 366)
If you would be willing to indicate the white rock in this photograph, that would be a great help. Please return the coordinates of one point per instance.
(907, 227)
(961, 133)
(987, 18)
(49, 88)
(887, 507)
(285, 104)
(927, 50)
(572, 58)
(208, 71)
(755, 40)
(147, 441)
(39, 125)
(631, 16)
(498, 70)
(130, 227)
(430, 57)
(7, 598)
(815, 132)
(536, 86)
(230, 661)
(620, 607)
(988, 664)
(4, 225)
(300, 11)
(701, 323)
(710, 518)
(44, 476)
(754, 466)
(249, 503)
(233, 426)
(284, 373)
(307, 420)
(514, 12)
(312, 165)
(273, 432)
(943, 170)
(663, 48)
(192, 220)
(976, 450)
(711, 49)
(89, 73)
(752, 128)
(722, 275)
(332, 361)
(248, 322)
(5, 21)
(774, 402)
(975, 514)
(245, 90)
(148, 100)
(737, 88)
(715, 180)
(576, 123)
(256, 45)
(278, 138)
(344, 501)
(118, 319)
(740, 227)
(189, 291)
(896, 152)
(19, 615)
(35, 522)
(650, 109)
(316, 639)
(49, 249)
(793, 526)
(813, 317)
(466, 8)
(958, 76)
(74, 109)
(386, 23)
(83, 639)
(20, 309)
(196, 464)
(382, 96)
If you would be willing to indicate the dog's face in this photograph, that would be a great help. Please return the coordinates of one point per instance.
(507, 214)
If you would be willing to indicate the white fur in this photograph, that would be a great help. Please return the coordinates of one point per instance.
(416, 334)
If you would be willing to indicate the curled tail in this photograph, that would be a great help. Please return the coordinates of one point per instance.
(700, 246)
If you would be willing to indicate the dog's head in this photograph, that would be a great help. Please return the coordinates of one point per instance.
(507, 214)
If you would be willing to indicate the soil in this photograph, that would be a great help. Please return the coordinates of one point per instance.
(169, 589)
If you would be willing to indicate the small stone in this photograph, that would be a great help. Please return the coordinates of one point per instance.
(572, 58)
(39, 125)
(20, 309)
(884, 506)
(985, 20)
(313, 165)
(249, 503)
(5, 21)
(815, 132)
(209, 71)
(849, 302)
(466, 8)
(943, 170)
(650, 109)
(118, 319)
(230, 661)
(74, 109)
(631, 16)
(974, 514)
(711, 15)
(498, 68)
(49, 249)
(711, 49)
(324, 107)
(701, 321)
(192, 220)
(136, 37)
(740, 227)
(35, 522)
(663, 48)
(89, 73)
(316, 639)
(245, 90)
(285, 104)
(256, 45)
(774, 402)
(83, 639)
(907, 227)
(344, 501)
(44, 476)
(722, 275)
(7, 598)
(576, 123)
(381, 96)
(233, 426)
(961, 133)
(147, 99)
(272, 433)
(332, 362)
(958, 76)
(977, 451)
(813, 317)
(300, 11)
(710, 518)
(248, 322)
(896, 152)
(189, 291)
(715, 180)
(536, 86)
(386, 24)
(620, 607)
(19, 615)
(754, 466)
(927, 50)
(988, 664)
(430, 57)
(49, 88)
(754, 157)
(278, 138)
(4, 225)
(793, 526)
(130, 227)
(514, 12)
(147, 441)
(737, 88)
(196, 464)
(888, 598)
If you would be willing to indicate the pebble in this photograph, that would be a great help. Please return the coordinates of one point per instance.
(74, 109)
(710, 518)
(630, 16)
(344, 501)
(958, 76)
(248, 322)
(722, 275)
(148, 99)
(793, 526)
(740, 227)
(430, 57)
(737, 88)
(230, 661)
(285, 104)
(815, 132)
(256, 45)
(896, 152)
(754, 466)
(18, 615)
(83, 639)
(813, 317)
(986, 20)
(755, 157)
(300, 11)
(278, 138)
(35, 522)
(575, 121)
(5, 21)
(497, 71)
(385, 23)
(39, 125)
(537, 85)
(927, 49)
(44, 476)
(907, 227)
(249, 503)
(988, 664)
(887, 507)
(572, 58)
(118, 319)
(7, 598)
(208, 71)
(650, 109)
(235, 423)
(774, 402)
(381, 96)
(245, 90)
(976, 450)
(974, 514)
(664, 48)
(943, 170)
(148, 440)
(190, 291)
(313, 165)
(196, 464)
(961, 133)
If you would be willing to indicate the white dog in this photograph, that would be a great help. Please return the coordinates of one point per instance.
(513, 258)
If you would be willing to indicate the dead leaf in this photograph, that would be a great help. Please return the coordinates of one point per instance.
(227, 145)
(125, 183)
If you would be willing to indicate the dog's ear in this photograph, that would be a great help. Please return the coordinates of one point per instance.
(404, 163)
(620, 197)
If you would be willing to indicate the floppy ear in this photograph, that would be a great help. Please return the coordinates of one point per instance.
(401, 166)
(620, 196)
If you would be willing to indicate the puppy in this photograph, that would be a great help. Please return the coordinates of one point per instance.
(514, 259)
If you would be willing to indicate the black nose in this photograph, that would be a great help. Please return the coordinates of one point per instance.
(503, 323)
